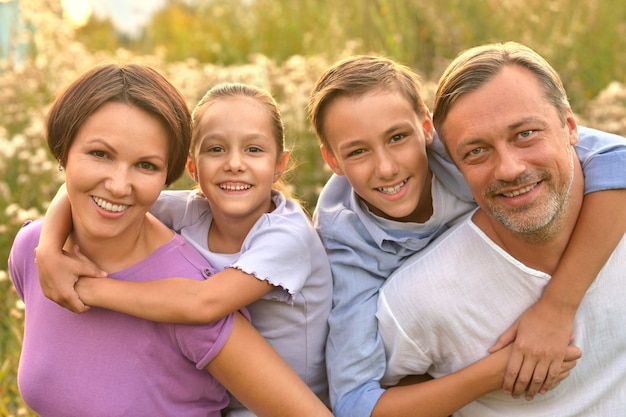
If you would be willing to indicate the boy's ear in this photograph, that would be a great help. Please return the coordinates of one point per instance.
(281, 165)
(191, 168)
(331, 161)
(429, 128)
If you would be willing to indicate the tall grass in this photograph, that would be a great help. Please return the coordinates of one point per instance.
(281, 46)
(580, 37)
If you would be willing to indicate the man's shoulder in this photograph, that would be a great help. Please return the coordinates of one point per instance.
(180, 258)
(416, 286)
(439, 252)
(28, 234)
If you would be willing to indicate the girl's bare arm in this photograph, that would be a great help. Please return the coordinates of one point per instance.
(258, 377)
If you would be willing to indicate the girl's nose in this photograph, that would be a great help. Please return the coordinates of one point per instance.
(235, 162)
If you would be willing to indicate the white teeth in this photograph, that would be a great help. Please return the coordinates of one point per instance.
(520, 191)
(235, 187)
(391, 190)
(116, 208)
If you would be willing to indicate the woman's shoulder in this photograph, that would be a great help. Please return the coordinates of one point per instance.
(177, 257)
(28, 235)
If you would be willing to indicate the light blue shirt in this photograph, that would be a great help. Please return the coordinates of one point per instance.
(365, 249)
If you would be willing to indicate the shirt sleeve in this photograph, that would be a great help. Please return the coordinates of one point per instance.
(404, 356)
(201, 343)
(175, 208)
(355, 356)
(603, 158)
(276, 250)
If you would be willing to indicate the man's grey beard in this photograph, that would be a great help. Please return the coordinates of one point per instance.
(546, 224)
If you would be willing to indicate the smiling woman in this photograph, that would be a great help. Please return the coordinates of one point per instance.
(113, 181)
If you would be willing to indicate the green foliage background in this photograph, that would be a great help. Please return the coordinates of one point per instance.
(281, 46)
(579, 37)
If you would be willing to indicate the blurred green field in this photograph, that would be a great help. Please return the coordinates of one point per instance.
(281, 46)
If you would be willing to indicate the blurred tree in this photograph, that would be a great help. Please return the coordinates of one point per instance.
(99, 35)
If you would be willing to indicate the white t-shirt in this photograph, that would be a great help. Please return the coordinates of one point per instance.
(449, 303)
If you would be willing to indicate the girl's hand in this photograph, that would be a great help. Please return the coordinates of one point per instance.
(59, 271)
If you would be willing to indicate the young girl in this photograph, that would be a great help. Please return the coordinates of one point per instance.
(270, 257)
